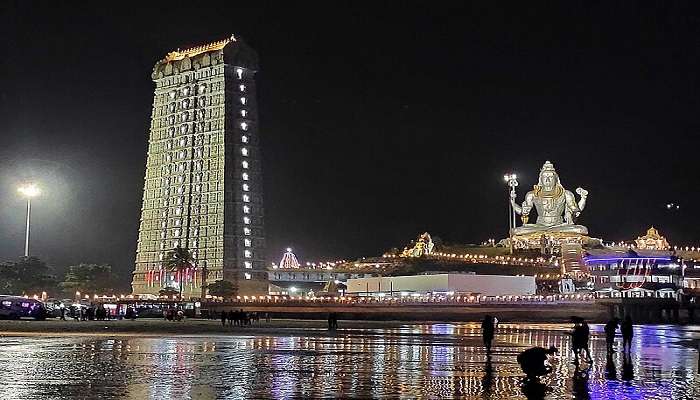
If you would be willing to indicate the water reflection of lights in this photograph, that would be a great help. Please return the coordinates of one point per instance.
(414, 361)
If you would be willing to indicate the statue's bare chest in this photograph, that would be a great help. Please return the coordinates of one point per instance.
(549, 205)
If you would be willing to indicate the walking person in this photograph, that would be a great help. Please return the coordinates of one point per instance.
(610, 329)
(585, 338)
(488, 328)
(627, 330)
(576, 338)
(224, 314)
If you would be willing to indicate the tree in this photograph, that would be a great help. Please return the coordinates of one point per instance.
(89, 278)
(178, 260)
(222, 288)
(28, 276)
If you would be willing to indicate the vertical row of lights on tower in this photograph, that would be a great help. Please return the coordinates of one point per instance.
(245, 178)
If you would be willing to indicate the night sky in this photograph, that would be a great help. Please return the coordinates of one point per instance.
(378, 121)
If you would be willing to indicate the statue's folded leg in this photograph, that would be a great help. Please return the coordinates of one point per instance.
(567, 228)
(528, 228)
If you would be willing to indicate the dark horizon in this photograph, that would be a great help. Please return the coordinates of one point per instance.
(377, 123)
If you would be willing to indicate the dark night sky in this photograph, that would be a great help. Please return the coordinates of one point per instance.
(377, 121)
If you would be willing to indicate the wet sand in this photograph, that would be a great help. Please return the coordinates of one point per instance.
(290, 359)
(189, 327)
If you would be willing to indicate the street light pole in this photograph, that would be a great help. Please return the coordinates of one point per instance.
(29, 190)
(26, 239)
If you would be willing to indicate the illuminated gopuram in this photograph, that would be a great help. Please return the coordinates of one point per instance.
(203, 183)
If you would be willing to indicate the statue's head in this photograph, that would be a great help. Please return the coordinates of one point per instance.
(548, 177)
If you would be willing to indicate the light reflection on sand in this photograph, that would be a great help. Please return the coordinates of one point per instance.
(413, 361)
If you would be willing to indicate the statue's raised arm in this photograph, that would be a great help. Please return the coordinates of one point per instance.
(584, 195)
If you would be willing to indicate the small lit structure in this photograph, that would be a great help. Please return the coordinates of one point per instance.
(289, 260)
(423, 247)
(652, 241)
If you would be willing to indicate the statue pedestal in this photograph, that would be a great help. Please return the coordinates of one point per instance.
(551, 241)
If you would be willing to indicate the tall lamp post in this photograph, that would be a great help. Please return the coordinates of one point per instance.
(28, 190)
(512, 181)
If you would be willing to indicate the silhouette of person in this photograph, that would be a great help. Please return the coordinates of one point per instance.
(610, 329)
(576, 338)
(532, 361)
(488, 330)
(585, 332)
(627, 330)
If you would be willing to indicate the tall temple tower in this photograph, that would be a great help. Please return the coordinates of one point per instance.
(203, 184)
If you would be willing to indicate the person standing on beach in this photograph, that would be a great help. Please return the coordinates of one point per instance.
(610, 329)
(585, 337)
(627, 330)
(232, 316)
(576, 342)
(488, 330)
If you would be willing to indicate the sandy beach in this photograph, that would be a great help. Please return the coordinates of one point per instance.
(189, 327)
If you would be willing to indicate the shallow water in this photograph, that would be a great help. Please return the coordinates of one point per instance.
(413, 361)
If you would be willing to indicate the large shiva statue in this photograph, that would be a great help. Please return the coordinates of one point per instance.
(557, 207)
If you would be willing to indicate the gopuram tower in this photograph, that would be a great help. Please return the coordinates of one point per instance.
(203, 183)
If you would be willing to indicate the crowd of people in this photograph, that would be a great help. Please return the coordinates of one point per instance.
(172, 314)
(92, 313)
(534, 361)
(241, 318)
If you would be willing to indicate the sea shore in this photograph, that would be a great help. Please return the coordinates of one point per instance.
(202, 327)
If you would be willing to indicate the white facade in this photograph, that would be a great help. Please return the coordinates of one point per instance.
(487, 285)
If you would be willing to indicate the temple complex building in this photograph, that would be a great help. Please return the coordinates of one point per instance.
(203, 183)
(652, 241)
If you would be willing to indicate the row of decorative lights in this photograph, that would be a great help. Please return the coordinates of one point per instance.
(314, 265)
(633, 246)
(246, 208)
(419, 297)
(483, 257)
(81, 296)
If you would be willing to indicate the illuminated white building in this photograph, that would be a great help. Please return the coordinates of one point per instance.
(486, 285)
(203, 183)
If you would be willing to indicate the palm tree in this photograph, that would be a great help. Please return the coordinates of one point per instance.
(178, 260)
